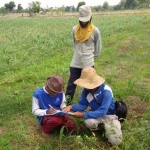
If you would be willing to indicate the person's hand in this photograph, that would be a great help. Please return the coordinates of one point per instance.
(67, 109)
(78, 114)
(52, 110)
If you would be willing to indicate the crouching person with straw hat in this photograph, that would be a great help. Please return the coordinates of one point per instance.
(48, 100)
(99, 97)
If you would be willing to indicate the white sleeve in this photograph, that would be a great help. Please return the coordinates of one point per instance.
(63, 105)
(36, 109)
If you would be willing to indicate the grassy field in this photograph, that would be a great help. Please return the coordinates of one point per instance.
(33, 48)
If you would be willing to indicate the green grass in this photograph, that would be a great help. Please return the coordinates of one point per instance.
(33, 48)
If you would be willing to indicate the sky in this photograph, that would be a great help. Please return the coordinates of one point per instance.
(59, 3)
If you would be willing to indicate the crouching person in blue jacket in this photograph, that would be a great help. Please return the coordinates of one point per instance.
(99, 97)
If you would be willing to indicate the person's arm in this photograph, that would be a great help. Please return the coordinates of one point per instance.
(103, 107)
(63, 104)
(97, 42)
(73, 35)
(81, 106)
(75, 114)
(36, 108)
(78, 108)
(78, 114)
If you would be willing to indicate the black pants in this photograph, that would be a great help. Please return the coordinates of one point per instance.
(75, 74)
(71, 87)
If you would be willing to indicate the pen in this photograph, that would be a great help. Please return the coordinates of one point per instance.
(50, 106)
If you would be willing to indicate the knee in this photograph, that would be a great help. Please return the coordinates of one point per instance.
(91, 124)
(114, 139)
(113, 132)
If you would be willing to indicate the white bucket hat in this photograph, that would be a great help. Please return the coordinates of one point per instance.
(85, 13)
(89, 79)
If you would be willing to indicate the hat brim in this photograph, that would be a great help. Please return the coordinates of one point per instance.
(89, 85)
(55, 90)
(85, 19)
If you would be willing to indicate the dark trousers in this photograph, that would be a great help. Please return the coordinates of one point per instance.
(71, 87)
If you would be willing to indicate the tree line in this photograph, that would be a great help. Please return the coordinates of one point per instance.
(35, 7)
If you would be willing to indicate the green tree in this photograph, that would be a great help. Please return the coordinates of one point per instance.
(144, 3)
(80, 4)
(19, 8)
(3, 10)
(97, 8)
(131, 4)
(105, 6)
(70, 9)
(120, 6)
(117, 7)
(122, 3)
(135, 4)
(34, 7)
(9, 6)
(128, 4)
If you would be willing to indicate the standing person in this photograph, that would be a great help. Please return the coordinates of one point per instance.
(47, 100)
(100, 98)
(87, 47)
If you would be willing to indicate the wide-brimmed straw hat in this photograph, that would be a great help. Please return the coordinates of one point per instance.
(55, 83)
(89, 79)
(85, 13)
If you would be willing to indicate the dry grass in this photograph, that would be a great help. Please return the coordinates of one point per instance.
(62, 14)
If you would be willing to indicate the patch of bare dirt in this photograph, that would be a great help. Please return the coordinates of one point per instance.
(2, 130)
(136, 107)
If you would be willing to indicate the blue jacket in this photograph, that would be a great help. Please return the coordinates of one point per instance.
(99, 106)
(44, 99)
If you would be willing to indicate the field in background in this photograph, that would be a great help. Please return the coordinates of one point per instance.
(33, 48)
(62, 14)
